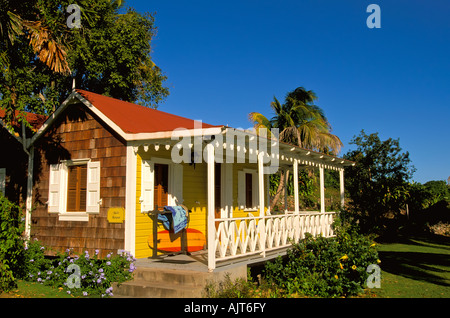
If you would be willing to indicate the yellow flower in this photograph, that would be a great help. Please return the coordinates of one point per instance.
(340, 264)
(354, 267)
(336, 276)
(344, 258)
(373, 245)
(378, 261)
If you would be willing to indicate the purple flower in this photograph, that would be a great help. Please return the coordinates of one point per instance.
(108, 263)
(85, 293)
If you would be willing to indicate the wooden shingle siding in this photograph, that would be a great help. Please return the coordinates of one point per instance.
(78, 134)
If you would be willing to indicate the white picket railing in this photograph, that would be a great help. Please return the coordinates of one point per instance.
(245, 236)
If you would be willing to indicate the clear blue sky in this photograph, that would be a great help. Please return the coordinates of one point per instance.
(225, 59)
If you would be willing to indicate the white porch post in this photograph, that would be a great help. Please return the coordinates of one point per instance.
(29, 200)
(296, 203)
(261, 223)
(322, 190)
(211, 216)
(130, 199)
(341, 183)
(285, 190)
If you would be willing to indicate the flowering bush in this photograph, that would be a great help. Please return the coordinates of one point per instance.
(324, 267)
(79, 275)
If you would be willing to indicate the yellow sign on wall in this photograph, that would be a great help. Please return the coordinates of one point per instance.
(116, 215)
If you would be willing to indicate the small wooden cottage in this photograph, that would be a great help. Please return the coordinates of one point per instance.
(14, 159)
(103, 169)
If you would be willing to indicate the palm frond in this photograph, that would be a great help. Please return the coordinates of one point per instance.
(48, 50)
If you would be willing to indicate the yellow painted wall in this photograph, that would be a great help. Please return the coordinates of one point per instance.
(194, 195)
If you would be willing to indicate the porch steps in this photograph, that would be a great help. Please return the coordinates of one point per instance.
(160, 282)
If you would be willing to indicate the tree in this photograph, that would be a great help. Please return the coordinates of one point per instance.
(109, 54)
(378, 184)
(300, 122)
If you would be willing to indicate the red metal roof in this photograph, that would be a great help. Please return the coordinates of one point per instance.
(133, 119)
(35, 120)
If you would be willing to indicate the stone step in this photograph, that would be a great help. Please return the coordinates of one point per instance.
(175, 277)
(159, 282)
(145, 289)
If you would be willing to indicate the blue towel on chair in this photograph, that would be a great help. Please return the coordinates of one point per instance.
(178, 216)
(166, 220)
(179, 219)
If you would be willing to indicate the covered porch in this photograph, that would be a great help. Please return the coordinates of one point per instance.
(265, 233)
(239, 225)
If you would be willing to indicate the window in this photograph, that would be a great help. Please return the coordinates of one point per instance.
(161, 184)
(248, 189)
(2, 180)
(74, 189)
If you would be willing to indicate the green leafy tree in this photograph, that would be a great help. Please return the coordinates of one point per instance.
(377, 185)
(40, 55)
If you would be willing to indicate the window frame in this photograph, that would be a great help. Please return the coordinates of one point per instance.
(175, 183)
(242, 190)
(58, 186)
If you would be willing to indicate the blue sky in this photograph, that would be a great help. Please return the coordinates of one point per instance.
(225, 59)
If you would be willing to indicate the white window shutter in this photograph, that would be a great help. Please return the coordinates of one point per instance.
(241, 189)
(147, 185)
(2, 180)
(177, 187)
(93, 187)
(54, 188)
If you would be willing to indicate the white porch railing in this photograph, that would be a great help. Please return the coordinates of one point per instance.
(246, 236)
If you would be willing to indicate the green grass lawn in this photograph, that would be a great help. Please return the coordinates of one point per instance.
(34, 290)
(416, 267)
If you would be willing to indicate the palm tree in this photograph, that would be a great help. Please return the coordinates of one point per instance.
(48, 48)
(301, 123)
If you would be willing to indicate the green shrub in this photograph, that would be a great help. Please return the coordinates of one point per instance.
(324, 267)
(228, 288)
(79, 275)
(11, 243)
